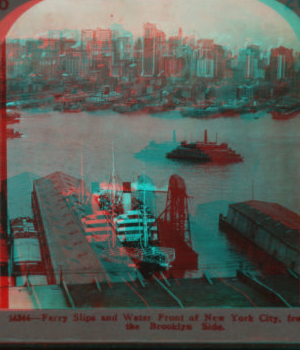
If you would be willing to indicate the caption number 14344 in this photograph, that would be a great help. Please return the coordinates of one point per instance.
(4, 5)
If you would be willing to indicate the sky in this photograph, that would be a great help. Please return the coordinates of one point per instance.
(235, 23)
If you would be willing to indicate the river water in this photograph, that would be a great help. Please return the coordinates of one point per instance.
(270, 171)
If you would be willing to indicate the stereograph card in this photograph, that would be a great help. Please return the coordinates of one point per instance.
(149, 172)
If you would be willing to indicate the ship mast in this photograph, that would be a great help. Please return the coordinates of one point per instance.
(81, 175)
(113, 194)
(145, 223)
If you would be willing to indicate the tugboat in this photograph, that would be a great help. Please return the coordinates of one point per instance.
(205, 151)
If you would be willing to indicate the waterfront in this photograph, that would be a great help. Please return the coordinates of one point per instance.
(53, 143)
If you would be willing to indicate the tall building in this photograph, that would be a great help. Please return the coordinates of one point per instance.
(149, 49)
(174, 46)
(104, 36)
(205, 62)
(219, 61)
(180, 33)
(281, 63)
(253, 64)
(138, 56)
(160, 51)
(86, 36)
(174, 66)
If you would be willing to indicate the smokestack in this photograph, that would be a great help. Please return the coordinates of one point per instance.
(126, 196)
(205, 136)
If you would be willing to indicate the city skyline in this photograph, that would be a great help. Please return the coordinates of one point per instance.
(251, 22)
(150, 55)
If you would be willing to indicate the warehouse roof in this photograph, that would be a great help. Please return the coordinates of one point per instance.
(279, 221)
(70, 252)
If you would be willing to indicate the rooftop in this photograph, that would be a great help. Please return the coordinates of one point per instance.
(279, 221)
(79, 261)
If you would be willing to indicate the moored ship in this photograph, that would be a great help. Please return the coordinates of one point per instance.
(129, 106)
(201, 111)
(160, 107)
(135, 227)
(286, 109)
(283, 113)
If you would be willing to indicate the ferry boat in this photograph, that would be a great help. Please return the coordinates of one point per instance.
(219, 152)
(189, 152)
(205, 151)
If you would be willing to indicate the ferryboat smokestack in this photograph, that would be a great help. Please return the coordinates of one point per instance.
(126, 196)
(205, 136)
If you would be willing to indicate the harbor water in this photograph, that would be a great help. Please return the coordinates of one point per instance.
(270, 172)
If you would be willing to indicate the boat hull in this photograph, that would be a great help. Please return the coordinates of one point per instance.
(286, 115)
(199, 113)
(188, 158)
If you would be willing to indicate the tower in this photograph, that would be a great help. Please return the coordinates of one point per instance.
(175, 219)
